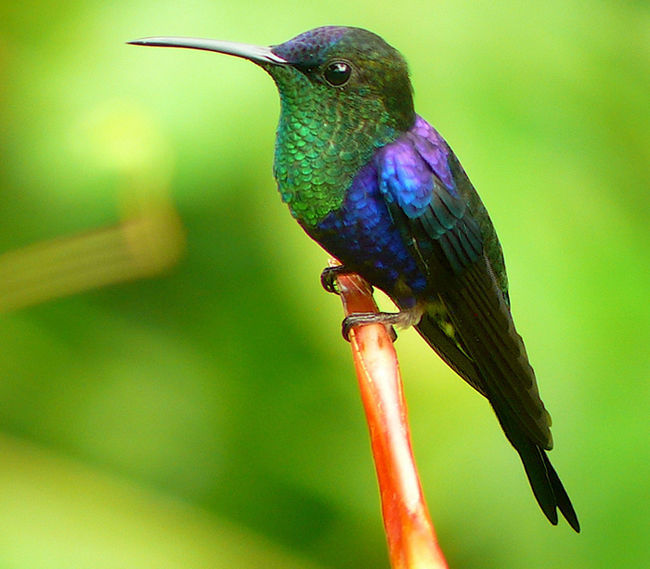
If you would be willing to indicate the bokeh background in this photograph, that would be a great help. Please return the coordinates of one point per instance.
(201, 411)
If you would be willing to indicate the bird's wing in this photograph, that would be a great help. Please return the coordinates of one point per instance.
(440, 231)
(423, 199)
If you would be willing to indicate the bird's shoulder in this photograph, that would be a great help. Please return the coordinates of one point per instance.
(432, 199)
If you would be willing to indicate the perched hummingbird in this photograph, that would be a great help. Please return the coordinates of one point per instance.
(377, 187)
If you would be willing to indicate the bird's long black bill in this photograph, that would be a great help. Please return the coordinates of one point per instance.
(252, 52)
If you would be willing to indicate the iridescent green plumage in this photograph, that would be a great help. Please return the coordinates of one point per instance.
(312, 170)
(325, 134)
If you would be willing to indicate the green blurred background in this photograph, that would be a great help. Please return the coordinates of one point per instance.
(209, 416)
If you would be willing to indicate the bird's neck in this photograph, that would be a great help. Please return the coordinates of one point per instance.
(319, 151)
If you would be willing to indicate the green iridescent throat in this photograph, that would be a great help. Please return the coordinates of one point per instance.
(325, 136)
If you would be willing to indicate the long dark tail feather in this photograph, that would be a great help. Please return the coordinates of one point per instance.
(532, 458)
(562, 498)
(544, 481)
(546, 485)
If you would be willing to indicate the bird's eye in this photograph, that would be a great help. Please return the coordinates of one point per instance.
(337, 73)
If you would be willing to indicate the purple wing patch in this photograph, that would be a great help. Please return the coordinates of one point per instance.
(418, 186)
(405, 177)
(434, 150)
(411, 166)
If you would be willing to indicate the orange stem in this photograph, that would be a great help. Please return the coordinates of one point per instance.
(411, 537)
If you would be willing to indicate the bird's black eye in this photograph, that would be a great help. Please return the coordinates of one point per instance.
(337, 73)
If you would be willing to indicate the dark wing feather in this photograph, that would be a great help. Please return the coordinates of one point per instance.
(469, 322)
(482, 320)
(443, 235)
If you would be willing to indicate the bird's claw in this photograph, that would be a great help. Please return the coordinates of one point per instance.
(329, 275)
(361, 318)
(328, 278)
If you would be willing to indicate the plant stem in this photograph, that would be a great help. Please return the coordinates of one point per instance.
(411, 537)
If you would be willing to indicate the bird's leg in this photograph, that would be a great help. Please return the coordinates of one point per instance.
(402, 319)
(329, 275)
(360, 318)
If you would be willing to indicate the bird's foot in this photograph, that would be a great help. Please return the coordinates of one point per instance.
(402, 319)
(388, 319)
(330, 274)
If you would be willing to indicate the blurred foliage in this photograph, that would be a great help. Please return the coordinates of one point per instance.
(208, 417)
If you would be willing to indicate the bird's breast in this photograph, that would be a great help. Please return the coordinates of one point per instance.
(319, 151)
(362, 235)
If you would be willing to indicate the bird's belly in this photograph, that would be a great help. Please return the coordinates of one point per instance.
(362, 235)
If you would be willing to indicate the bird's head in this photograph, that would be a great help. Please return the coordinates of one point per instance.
(351, 71)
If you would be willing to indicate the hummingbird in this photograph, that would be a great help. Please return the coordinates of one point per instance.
(378, 187)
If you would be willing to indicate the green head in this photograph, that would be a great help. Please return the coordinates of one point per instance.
(344, 91)
(349, 69)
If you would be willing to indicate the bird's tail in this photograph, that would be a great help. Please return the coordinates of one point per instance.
(475, 335)
(544, 481)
